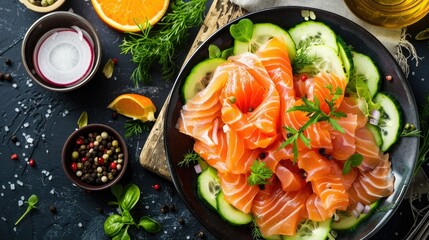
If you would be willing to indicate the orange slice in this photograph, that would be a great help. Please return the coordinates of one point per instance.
(134, 106)
(125, 15)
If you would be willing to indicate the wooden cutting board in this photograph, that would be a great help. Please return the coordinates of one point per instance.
(153, 156)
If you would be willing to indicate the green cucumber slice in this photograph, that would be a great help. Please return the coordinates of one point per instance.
(230, 213)
(390, 120)
(325, 60)
(376, 132)
(311, 230)
(199, 77)
(348, 223)
(262, 32)
(208, 185)
(314, 33)
(365, 68)
(345, 56)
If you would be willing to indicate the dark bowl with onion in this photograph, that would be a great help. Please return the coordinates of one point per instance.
(94, 157)
(61, 51)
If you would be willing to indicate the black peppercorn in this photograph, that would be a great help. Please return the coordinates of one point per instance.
(1, 76)
(53, 209)
(181, 221)
(8, 77)
(114, 115)
(8, 62)
(164, 209)
(14, 139)
(201, 235)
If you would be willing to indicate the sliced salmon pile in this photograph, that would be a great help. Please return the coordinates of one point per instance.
(241, 117)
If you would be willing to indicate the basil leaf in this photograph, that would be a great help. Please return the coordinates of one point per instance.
(122, 235)
(117, 190)
(130, 197)
(149, 224)
(113, 225)
(242, 31)
(127, 218)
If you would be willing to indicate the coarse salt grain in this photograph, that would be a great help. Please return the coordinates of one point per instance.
(3, 186)
(14, 85)
(3, 218)
(79, 224)
(20, 203)
(26, 124)
(52, 191)
(2, 194)
(188, 237)
(16, 175)
(16, 109)
(50, 177)
(22, 198)
(147, 207)
(30, 140)
(19, 183)
(12, 186)
(6, 128)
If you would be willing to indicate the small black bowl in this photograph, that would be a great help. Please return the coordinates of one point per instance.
(70, 146)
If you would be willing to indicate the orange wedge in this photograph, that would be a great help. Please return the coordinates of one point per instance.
(134, 106)
(126, 15)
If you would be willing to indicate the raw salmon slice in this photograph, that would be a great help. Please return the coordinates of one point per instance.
(314, 164)
(315, 209)
(332, 193)
(322, 87)
(278, 212)
(214, 155)
(350, 105)
(238, 192)
(290, 176)
(344, 144)
(199, 113)
(374, 184)
(366, 146)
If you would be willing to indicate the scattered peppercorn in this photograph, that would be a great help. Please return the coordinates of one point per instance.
(289, 135)
(1, 76)
(53, 209)
(304, 77)
(7, 77)
(115, 61)
(261, 186)
(389, 78)
(165, 209)
(8, 62)
(201, 235)
(14, 156)
(172, 207)
(181, 221)
(32, 163)
(14, 139)
(262, 155)
(156, 187)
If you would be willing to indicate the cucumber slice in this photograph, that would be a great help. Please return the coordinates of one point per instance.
(311, 230)
(262, 32)
(345, 56)
(208, 186)
(273, 237)
(230, 213)
(375, 130)
(199, 77)
(326, 60)
(348, 223)
(313, 33)
(364, 67)
(390, 119)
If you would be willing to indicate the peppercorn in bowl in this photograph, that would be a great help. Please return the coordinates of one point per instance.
(95, 157)
(43, 6)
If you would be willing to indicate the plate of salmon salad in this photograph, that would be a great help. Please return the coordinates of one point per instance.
(288, 123)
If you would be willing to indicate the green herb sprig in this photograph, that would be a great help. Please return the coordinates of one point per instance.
(315, 114)
(116, 225)
(353, 161)
(32, 201)
(157, 46)
(135, 127)
(189, 158)
(424, 136)
(260, 173)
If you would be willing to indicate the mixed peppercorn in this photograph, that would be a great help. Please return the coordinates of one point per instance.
(97, 158)
(42, 3)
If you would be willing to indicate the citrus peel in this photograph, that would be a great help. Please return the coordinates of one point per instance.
(134, 106)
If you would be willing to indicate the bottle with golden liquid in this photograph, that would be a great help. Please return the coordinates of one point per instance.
(389, 13)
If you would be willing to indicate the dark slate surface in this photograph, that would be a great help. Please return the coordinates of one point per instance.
(42, 120)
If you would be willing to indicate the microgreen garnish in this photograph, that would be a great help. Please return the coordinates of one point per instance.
(242, 31)
(116, 225)
(260, 173)
(157, 46)
(189, 158)
(353, 161)
(215, 52)
(32, 201)
(135, 127)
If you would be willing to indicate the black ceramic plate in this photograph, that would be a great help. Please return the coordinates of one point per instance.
(403, 154)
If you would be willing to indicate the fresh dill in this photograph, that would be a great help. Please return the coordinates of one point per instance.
(302, 59)
(189, 159)
(256, 232)
(157, 45)
(135, 127)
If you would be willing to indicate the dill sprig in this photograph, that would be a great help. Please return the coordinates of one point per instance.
(156, 46)
(302, 59)
(135, 127)
(189, 159)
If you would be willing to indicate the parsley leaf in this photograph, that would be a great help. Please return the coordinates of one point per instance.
(260, 173)
(353, 161)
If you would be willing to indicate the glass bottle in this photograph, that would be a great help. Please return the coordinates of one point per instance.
(389, 13)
